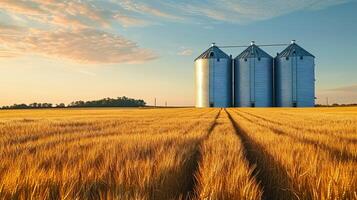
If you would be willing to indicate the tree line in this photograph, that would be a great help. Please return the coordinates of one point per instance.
(106, 102)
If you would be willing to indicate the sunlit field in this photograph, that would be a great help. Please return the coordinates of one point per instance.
(183, 153)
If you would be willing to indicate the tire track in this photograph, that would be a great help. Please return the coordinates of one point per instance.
(193, 164)
(334, 153)
(268, 171)
(348, 140)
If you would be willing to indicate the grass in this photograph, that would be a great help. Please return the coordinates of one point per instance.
(186, 153)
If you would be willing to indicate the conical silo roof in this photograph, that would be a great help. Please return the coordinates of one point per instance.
(253, 51)
(213, 52)
(294, 50)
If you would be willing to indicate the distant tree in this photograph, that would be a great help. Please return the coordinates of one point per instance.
(106, 102)
(60, 105)
(19, 106)
(33, 105)
(109, 102)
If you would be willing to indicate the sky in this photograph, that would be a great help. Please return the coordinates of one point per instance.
(65, 50)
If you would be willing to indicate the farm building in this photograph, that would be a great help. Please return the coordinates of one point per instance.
(295, 77)
(213, 72)
(255, 79)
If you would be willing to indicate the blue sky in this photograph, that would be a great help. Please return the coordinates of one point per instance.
(55, 51)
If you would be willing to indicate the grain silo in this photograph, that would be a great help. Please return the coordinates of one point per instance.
(295, 77)
(213, 74)
(253, 82)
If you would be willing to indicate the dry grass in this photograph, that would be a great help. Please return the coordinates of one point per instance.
(179, 154)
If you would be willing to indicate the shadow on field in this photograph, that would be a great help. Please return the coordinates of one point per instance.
(334, 153)
(348, 140)
(267, 171)
(193, 164)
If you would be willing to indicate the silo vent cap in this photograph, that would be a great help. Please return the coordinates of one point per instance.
(293, 41)
(213, 44)
(252, 42)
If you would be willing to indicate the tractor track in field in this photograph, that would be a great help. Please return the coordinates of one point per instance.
(193, 162)
(348, 140)
(340, 155)
(268, 172)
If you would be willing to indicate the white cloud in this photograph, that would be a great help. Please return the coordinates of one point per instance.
(128, 21)
(85, 45)
(76, 30)
(185, 52)
(94, 13)
(84, 26)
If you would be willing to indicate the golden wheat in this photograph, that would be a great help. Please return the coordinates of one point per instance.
(107, 154)
(236, 153)
(306, 148)
(223, 171)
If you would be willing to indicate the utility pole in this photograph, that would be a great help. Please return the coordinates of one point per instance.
(327, 100)
(165, 103)
(155, 102)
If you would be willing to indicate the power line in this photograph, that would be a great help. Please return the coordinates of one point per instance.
(259, 45)
(272, 45)
(232, 46)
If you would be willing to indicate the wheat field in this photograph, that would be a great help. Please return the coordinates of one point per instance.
(181, 153)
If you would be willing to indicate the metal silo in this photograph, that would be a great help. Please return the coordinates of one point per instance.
(295, 77)
(213, 78)
(253, 70)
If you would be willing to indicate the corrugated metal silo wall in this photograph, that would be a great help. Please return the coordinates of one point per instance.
(202, 78)
(305, 81)
(254, 82)
(213, 82)
(242, 83)
(294, 81)
(263, 82)
(221, 87)
(283, 82)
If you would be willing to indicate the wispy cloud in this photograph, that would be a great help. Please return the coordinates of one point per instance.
(85, 45)
(95, 13)
(129, 21)
(21, 7)
(76, 30)
(64, 13)
(146, 8)
(241, 11)
(234, 11)
(82, 30)
(185, 51)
